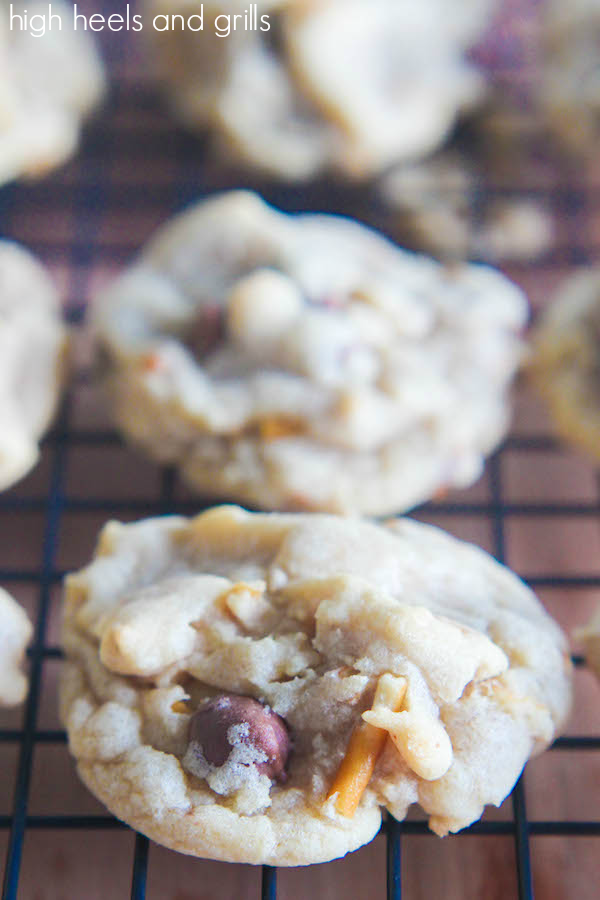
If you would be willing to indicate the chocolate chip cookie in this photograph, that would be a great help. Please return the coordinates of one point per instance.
(305, 362)
(349, 86)
(49, 80)
(569, 92)
(259, 687)
(32, 358)
(566, 360)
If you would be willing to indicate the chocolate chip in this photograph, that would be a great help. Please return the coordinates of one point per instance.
(207, 331)
(211, 725)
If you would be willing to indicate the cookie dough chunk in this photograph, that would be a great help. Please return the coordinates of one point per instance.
(348, 85)
(566, 361)
(32, 355)
(260, 687)
(15, 632)
(48, 83)
(306, 362)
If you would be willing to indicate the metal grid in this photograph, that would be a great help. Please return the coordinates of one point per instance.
(136, 168)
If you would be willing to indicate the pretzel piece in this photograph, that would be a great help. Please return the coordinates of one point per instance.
(364, 749)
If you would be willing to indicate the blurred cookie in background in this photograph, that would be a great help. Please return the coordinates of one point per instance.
(306, 362)
(48, 83)
(439, 205)
(589, 636)
(15, 633)
(349, 86)
(566, 360)
(570, 84)
(33, 346)
(463, 201)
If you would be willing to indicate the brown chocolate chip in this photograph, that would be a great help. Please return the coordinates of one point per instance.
(267, 732)
(206, 331)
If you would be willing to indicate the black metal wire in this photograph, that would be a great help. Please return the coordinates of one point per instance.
(27, 738)
(394, 860)
(141, 852)
(520, 828)
(523, 854)
(94, 195)
(269, 883)
(88, 202)
(54, 512)
(140, 868)
(47, 575)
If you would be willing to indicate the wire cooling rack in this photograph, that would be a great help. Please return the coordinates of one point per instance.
(537, 508)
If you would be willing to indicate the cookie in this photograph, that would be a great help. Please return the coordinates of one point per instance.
(305, 362)
(343, 85)
(259, 688)
(32, 359)
(467, 200)
(48, 84)
(589, 636)
(569, 92)
(566, 360)
(15, 633)
(391, 77)
(437, 206)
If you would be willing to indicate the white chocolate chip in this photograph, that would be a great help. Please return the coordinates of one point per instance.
(262, 306)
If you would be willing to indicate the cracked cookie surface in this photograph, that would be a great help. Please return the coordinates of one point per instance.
(305, 362)
(312, 649)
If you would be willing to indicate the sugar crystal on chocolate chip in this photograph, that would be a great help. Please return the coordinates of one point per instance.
(230, 730)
